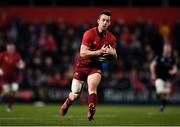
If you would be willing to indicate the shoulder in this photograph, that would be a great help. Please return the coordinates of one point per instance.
(90, 32)
(88, 36)
(3, 53)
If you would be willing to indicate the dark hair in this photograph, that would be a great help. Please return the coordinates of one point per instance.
(105, 12)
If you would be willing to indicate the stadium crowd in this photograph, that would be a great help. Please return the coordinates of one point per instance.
(50, 48)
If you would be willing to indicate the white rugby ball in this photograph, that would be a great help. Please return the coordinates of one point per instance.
(103, 59)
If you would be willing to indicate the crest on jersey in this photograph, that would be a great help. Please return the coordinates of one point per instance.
(94, 42)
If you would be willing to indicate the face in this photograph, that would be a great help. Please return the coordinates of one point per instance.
(10, 48)
(167, 50)
(104, 22)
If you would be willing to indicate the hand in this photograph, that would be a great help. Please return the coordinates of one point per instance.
(103, 50)
(21, 64)
(110, 50)
(173, 71)
(1, 72)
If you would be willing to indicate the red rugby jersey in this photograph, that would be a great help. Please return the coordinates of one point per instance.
(94, 40)
(8, 62)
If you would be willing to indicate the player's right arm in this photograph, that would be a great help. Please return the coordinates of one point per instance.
(85, 52)
(153, 69)
(1, 70)
(85, 46)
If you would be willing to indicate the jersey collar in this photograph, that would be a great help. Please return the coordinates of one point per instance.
(102, 34)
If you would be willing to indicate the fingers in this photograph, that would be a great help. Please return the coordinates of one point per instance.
(107, 46)
(105, 54)
(104, 47)
(105, 50)
(110, 47)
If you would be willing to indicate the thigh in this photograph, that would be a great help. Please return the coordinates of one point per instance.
(6, 88)
(14, 87)
(80, 74)
(160, 86)
(167, 87)
(93, 81)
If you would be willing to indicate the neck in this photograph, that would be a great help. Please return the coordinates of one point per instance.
(100, 30)
(166, 55)
(9, 52)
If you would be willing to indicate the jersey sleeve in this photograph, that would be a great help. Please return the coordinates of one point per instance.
(87, 39)
(18, 57)
(113, 41)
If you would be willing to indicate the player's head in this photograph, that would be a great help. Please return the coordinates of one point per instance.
(10, 47)
(104, 20)
(167, 49)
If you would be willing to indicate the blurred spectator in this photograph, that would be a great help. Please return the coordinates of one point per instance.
(176, 33)
(4, 20)
(164, 29)
(57, 79)
(124, 37)
(137, 85)
(46, 41)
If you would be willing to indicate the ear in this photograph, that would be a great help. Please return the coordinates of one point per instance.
(109, 22)
(98, 20)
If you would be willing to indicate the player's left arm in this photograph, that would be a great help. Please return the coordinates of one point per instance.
(174, 70)
(112, 48)
(111, 51)
(20, 64)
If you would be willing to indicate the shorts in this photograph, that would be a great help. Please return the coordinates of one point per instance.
(6, 88)
(162, 87)
(82, 73)
(9, 79)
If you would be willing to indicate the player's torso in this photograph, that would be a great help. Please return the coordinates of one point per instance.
(163, 66)
(98, 40)
(9, 61)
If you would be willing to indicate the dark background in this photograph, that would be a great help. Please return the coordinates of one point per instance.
(123, 3)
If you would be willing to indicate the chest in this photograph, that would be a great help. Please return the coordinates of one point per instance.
(165, 63)
(10, 59)
(98, 42)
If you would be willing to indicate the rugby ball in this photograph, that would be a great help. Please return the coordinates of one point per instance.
(104, 59)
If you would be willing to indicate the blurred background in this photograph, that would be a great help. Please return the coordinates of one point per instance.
(48, 35)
